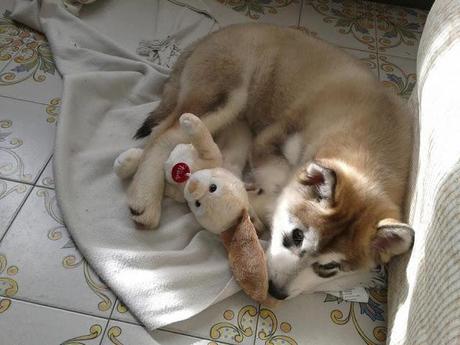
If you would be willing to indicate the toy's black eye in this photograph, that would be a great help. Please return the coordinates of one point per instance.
(197, 203)
(297, 237)
(212, 188)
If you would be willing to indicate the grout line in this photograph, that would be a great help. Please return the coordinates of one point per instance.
(40, 172)
(17, 181)
(22, 99)
(257, 324)
(42, 304)
(105, 330)
(18, 210)
(300, 13)
(192, 336)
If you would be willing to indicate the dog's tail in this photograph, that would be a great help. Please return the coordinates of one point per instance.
(153, 119)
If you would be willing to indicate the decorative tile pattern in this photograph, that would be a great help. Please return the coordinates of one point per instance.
(26, 139)
(344, 23)
(279, 12)
(11, 196)
(399, 74)
(231, 321)
(8, 283)
(26, 323)
(28, 70)
(351, 322)
(398, 29)
(52, 271)
(120, 333)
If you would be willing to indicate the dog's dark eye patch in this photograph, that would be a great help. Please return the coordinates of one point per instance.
(327, 270)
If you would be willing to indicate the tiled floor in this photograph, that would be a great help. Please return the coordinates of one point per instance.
(51, 295)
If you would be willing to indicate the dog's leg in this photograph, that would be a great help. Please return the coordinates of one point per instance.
(146, 191)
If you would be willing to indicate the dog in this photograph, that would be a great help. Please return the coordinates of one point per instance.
(330, 150)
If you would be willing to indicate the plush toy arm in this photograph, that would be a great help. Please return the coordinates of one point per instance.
(127, 162)
(201, 138)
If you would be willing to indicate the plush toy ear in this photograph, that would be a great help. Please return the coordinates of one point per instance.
(247, 258)
(392, 238)
(323, 180)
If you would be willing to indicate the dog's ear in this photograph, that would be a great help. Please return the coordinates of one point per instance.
(322, 180)
(392, 238)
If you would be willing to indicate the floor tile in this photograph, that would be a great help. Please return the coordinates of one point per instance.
(344, 23)
(293, 322)
(231, 321)
(12, 195)
(279, 12)
(121, 333)
(26, 139)
(46, 179)
(26, 323)
(368, 58)
(31, 74)
(399, 74)
(50, 269)
(398, 29)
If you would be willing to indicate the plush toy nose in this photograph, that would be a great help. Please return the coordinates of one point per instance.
(195, 189)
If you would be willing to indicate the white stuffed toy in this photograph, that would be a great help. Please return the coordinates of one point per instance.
(194, 174)
(216, 197)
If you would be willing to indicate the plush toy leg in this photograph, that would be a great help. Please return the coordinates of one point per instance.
(127, 163)
(201, 139)
(146, 190)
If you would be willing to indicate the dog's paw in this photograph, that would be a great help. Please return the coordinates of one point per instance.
(126, 163)
(190, 123)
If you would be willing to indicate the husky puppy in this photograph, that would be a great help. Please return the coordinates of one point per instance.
(330, 149)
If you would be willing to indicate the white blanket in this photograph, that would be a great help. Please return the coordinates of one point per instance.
(163, 275)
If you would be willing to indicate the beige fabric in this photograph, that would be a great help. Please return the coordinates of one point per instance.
(424, 298)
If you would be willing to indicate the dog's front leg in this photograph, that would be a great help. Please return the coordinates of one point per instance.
(147, 188)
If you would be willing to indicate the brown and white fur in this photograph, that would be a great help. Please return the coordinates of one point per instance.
(330, 150)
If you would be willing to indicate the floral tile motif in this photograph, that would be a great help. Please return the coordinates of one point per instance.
(231, 321)
(11, 196)
(293, 322)
(279, 12)
(28, 63)
(363, 315)
(26, 139)
(399, 74)
(120, 333)
(46, 179)
(399, 29)
(52, 272)
(122, 313)
(345, 23)
(26, 323)
(368, 58)
(8, 283)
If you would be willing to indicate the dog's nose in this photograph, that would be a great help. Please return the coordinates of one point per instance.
(276, 292)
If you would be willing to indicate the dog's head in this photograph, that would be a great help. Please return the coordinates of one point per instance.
(331, 224)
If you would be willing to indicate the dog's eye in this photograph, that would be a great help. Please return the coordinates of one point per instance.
(197, 203)
(330, 265)
(212, 188)
(297, 237)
